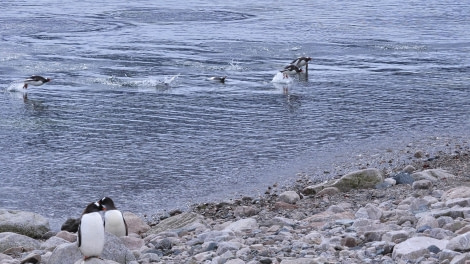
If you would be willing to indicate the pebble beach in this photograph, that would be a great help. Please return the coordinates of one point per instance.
(411, 212)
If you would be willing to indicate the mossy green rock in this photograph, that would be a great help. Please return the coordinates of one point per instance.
(361, 179)
(24, 223)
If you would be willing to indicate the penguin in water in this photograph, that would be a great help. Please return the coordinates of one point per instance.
(91, 231)
(114, 221)
(218, 79)
(35, 80)
(290, 69)
(301, 61)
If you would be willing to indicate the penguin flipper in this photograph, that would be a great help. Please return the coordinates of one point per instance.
(125, 224)
(79, 236)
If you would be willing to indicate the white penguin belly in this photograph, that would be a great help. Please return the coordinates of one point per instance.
(114, 223)
(92, 235)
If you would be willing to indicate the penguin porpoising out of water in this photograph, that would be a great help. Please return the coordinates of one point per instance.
(91, 231)
(114, 221)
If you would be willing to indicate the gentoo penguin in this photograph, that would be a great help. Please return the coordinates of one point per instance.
(91, 231)
(290, 70)
(35, 80)
(301, 61)
(218, 79)
(114, 221)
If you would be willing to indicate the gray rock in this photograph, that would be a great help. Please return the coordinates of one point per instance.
(370, 211)
(135, 224)
(361, 179)
(70, 225)
(65, 254)
(213, 236)
(443, 220)
(303, 261)
(52, 243)
(447, 255)
(422, 184)
(409, 169)
(245, 211)
(403, 178)
(116, 250)
(328, 191)
(12, 240)
(227, 246)
(460, 259)
(454, 212)
(235, 261)
(31, 258)
(70, 237)
(132, 243)
(415, 247)
(243, 225)
(460, 243)
(419, 205)
(186, 221)
(462, 202)
(95, 261)
(432, 175)
(150, 257)
(290, 197)
(24, 223)
(396, 236)
(4, 258)
(427, 220)
(457, 192)
(281, 221)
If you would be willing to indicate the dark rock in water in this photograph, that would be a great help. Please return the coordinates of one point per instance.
(403, 178)
(71, 225)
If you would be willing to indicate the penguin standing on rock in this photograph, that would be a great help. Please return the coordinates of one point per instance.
(114, 221)
(91, 231)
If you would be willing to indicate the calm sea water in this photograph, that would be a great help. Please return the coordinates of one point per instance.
(131, 114)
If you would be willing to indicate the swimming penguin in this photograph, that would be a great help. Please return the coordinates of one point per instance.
(114, 221)
(219, 79)
(290, 70)
(35, 80)
(91, 231)
(301, 61)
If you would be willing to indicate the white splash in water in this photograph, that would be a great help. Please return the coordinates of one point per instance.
(279, 78)
(234, 66)
(16, 86)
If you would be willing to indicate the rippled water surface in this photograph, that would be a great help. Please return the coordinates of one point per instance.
(130, 112)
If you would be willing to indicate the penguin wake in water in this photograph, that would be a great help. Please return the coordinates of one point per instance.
(91, 231)
(114, 221)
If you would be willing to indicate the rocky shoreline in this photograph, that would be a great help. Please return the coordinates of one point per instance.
(416, 212)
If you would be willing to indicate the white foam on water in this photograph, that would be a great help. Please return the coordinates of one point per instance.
(16, 86)
(279, 78)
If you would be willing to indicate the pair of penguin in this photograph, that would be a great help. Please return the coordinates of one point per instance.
(296, 66)
(92, 228)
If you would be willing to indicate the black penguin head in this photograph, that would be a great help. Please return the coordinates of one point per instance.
(107, 204)
(93, 207)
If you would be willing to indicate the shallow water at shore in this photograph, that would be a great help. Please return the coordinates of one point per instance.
(130, 112)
